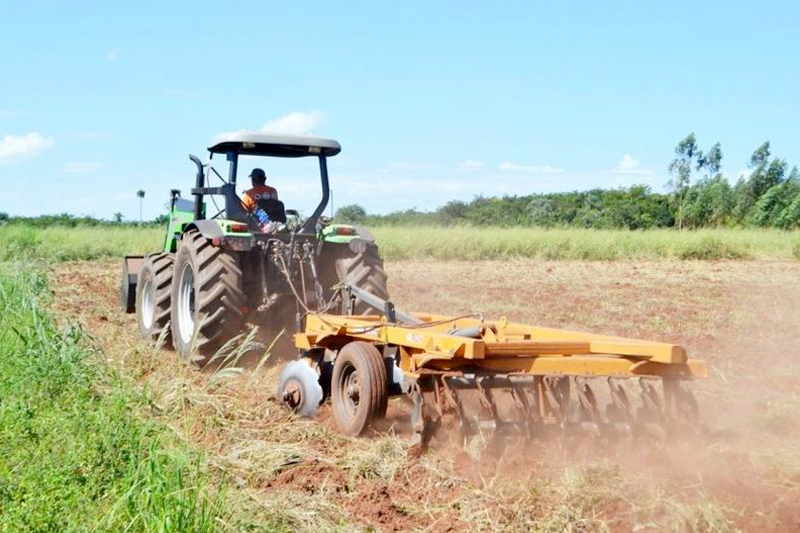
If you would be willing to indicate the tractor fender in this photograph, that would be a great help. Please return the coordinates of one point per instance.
(364, 233)
(210, 229)
(330, 235)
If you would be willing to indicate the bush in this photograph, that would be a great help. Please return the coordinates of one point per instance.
(712, 248)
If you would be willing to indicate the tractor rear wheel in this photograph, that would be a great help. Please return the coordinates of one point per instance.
(362, 268)
(207, 298)
(359, 388)
(153, 295)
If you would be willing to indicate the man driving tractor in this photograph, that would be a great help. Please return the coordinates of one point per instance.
(262, 201)
(260, 190)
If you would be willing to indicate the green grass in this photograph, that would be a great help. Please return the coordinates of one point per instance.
(77, 451)
(475, 243)
(434, 242)
(65, 244)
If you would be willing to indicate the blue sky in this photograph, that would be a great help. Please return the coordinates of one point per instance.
(431, 101)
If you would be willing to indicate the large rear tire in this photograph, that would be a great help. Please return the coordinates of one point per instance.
(362, 268)
(359, 387)
(153, 296)
(207, 298)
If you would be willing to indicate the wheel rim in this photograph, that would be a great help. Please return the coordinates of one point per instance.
(351, 391)
(148, 305)
(186, 305)
(292, 394)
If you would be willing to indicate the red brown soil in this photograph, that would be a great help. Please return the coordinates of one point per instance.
(742, 318)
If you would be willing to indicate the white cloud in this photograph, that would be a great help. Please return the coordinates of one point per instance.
(19, 148)
(628, 162)
(526, 169)
(83, 167)
(630, 165)
(297, 123)
(744, 173)
(112, 55)
(472, 164)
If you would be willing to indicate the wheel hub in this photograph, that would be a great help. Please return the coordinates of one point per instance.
(148, 305)
(352, 391)
(186, 305)
(292, 394)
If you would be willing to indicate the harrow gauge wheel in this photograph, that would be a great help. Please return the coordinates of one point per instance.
(299, 389)
(359, 388)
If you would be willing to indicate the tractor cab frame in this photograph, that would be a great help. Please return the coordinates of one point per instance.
(236, 144)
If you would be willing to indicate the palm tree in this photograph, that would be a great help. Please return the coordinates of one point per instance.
(140, 194)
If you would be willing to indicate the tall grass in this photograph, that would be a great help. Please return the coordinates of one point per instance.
(468, 243)
(476, 243)
(77, 452)
(60, 243)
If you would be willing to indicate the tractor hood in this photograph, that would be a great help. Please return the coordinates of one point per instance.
(273, 144)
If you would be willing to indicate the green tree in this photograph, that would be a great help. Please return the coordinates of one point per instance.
(453, 212)
(710, 202)
(140, 195)
(764, 175)
(687, 155)
(711, 162)
(118, 218)
(350, 214)
(541, 212)
(773, 207)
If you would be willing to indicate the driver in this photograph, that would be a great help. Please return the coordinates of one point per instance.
(260, 190)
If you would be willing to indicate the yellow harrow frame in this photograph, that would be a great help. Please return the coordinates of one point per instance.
(548, 374)
(438, 343)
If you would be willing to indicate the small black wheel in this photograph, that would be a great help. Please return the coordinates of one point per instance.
(359, 388)
(299, 389)
(153, 295)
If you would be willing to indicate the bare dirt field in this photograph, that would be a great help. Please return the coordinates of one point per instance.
(741, 317)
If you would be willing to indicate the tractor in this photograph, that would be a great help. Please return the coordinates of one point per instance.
(218, 271)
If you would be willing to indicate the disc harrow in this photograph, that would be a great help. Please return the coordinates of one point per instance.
(496, 379)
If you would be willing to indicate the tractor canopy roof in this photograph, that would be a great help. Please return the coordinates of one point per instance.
(273, 144)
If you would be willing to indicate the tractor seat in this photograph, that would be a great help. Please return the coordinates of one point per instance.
(273, 208)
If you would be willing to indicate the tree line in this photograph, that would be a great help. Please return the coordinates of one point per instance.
(698, 196)
(72, 221)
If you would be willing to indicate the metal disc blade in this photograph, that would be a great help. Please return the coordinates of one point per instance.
(299, 373)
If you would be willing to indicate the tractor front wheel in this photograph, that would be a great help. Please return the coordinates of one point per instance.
(359, 389)
(153, 295)
(207, 298)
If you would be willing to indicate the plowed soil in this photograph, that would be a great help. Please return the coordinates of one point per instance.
(741, 317)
